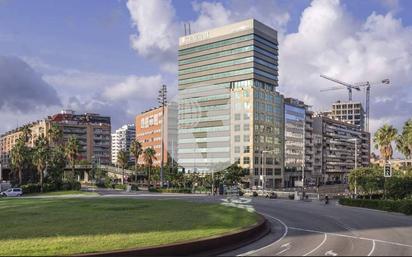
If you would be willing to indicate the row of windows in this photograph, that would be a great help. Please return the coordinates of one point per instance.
(204, 108)
(203, 140)
(228, 52)
(228, 63)
(205, 98)
(205, 150)
(266, 74)
(216, 65)
(215, 44)
(203, 88)
(246, 149)
(216, 55)
(208, 129)
(228, 42)
(204, 160)
(212, 118)
(217, 76)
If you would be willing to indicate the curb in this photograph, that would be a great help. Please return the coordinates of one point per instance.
(204, 247)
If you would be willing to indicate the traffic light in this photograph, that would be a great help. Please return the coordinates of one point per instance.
(387, 171)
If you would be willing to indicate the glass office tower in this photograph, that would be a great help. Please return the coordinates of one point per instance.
(229, 109)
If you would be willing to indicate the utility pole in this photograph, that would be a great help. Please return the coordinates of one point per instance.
(162, 98)
(356, 162)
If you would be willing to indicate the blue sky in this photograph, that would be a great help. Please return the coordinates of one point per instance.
(111, 56)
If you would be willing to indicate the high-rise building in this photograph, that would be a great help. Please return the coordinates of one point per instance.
(350, 112)
(229, 109)
(298, 141)
(91, 130)
(121, 140)
(149, 132)
(335, 148)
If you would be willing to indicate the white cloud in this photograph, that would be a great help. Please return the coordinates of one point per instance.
(157, 31)
(134, 88)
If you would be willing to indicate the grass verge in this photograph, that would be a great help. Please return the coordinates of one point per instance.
(83, 225)
(68, 192)
(402, 206)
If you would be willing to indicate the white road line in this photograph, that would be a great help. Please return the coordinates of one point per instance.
(373, 248)
(355, 237)
(317, 247)
(260, 249)
(279, 253)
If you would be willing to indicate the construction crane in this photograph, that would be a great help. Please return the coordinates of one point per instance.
(347, 85)
(367, 85)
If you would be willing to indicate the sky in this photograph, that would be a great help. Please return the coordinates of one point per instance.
(111, 57)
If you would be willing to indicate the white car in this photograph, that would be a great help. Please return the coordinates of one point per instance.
(12, 192)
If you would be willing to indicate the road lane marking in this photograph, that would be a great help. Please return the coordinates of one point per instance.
(265, 247)
(373, 248)
(354, 237)
(331, 253)
(317, 247)
(287, 248)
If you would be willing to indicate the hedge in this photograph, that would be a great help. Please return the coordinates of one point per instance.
(171, 190)
(49, 187)
(403, 206)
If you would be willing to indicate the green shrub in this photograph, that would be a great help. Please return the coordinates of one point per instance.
(30, 188)
(171, 190)
(120, 186)
(403, 206)
(135, 187)
(291, 197)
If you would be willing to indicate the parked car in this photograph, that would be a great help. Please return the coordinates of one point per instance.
(12, 192)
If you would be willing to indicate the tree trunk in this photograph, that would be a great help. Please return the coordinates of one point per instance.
(148, 178)
(20, 176)
(73, 173)
(41, 180)
(135, 168)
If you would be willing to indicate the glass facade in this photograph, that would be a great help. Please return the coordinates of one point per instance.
(230, 111)
(294, 143)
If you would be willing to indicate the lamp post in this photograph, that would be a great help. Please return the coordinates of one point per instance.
(162, 98)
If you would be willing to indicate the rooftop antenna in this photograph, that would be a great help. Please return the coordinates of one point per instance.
(190, 31)
(184, 25)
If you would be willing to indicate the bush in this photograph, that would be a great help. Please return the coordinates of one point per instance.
(291, 197)
(171, 190)
(135, 187)
(255, 194)
(30, 188)
(120, 186)
(71, 185)
(403, 206)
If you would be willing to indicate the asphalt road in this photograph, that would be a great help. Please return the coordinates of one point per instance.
(313, 228)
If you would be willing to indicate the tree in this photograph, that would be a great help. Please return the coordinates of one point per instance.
(404, 140)
(26, 133)
(122, 161)
(233, 174)
(54, 135)
(71, 152)
(149, 155)
(136, 150)
(383, 139)
(40, 157)
(19, 157)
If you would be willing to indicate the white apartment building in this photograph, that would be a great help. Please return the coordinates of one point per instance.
(121, 140)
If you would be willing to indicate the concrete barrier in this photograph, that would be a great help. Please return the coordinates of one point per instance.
(204, 247)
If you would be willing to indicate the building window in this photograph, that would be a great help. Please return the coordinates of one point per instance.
(246, 160)
(237, 149)
(237, 127)
(246, 149)
(237, 138)
(237, 116)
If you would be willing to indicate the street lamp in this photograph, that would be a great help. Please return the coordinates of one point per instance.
(162, 98)
(356, 161)
(264, 176)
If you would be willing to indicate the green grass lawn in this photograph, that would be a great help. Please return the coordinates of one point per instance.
(69, 226)
(68, 192)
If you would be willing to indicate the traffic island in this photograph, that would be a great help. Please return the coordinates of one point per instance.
(105, 226)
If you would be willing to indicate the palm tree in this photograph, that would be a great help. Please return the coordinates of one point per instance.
(55, 134)
(40, 157)
(18, 157)
(149, 156)
(26, 133)
(136, 150)
(404, 140)
(383, 139)
(71, 152)
(122, 160)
